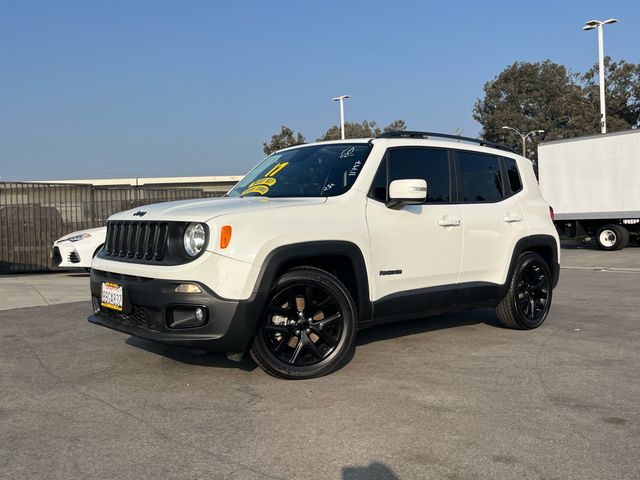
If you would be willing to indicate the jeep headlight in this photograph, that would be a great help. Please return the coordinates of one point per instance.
(194, 239)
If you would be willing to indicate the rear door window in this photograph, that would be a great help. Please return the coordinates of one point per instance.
(480, 177)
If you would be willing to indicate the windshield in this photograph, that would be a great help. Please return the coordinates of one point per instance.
(313, 171)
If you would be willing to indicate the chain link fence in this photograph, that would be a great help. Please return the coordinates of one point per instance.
(34, 215)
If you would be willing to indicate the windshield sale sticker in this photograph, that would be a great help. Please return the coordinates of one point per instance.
(262, 185)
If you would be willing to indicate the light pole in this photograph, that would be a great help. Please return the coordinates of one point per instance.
(341, 99)
(597, 24)
(523, 137)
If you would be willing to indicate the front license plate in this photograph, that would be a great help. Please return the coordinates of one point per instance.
(112, 296)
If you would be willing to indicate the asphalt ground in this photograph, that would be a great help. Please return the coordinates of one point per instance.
(449, 397)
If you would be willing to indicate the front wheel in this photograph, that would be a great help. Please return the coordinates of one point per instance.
(528, 299)
(308, 326)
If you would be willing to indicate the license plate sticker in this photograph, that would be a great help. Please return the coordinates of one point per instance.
(112, 296)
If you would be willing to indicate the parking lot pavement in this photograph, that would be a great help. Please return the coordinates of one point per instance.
(589, 256)
(36, 289)
(451, 397)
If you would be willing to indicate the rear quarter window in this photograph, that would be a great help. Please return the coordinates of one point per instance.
(513, 175)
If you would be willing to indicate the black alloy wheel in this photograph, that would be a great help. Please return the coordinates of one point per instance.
(528, 300)
(534, 287)
(308, 325)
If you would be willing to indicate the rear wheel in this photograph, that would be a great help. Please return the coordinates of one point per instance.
(528, 299)
(308, 326)
(612, 237)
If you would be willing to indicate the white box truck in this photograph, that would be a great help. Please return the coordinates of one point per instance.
(593, 185)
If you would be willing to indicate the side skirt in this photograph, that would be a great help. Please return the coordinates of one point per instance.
(424, 302)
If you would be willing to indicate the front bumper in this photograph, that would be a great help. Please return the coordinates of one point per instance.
(56, 256)
(148, 303)
(67, 256)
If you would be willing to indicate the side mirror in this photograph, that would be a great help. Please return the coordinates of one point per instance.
(407, 192)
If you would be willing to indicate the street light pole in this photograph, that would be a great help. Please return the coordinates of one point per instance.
(597, 24)
(523, 137)
(603, 108)
(341, 99)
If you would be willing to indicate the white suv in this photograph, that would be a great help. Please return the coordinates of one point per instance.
(321, 240)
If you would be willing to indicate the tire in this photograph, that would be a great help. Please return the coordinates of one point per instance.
(612, 237)
(528, 300)
(297, 341)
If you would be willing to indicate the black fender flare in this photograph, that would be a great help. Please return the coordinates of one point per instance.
(277, 258)
(531, 243)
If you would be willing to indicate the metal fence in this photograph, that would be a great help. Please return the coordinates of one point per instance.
(34, 215)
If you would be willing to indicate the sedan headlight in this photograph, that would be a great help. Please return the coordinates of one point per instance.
(194, 239)
(77, 238)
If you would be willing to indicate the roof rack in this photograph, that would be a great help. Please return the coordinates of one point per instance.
(415, 134)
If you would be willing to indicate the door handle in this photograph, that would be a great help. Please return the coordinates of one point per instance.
(512, 218)
(449, 222)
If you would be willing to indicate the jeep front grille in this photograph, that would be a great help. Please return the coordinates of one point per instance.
(141, 240)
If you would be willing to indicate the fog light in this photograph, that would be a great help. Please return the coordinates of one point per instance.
(188, 288)
(184, 316)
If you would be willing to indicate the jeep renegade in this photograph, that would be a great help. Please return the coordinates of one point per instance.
(321, 240)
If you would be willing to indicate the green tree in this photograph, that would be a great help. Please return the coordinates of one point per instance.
(286, 138)
(547, 96)
(396, 126)
(532, 96)
(365, 129)
(622, 93)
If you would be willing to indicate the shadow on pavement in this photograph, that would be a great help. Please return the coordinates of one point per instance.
(372, 334)
(403, 328)
(373, 471)
(78, 274)
(201, 358)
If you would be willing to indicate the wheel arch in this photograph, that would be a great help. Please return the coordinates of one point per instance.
(544, 245)
(340, 258)
(97, 250)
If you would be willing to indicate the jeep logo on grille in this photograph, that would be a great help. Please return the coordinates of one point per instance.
(139, 213)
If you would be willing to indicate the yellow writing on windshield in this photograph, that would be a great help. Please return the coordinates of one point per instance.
(268, 181)
(262, 185)
(261, 189)
(276, 169)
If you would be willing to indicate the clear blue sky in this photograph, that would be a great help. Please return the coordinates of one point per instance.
(146, 88)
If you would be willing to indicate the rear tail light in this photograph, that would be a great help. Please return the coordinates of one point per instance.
(551, 214)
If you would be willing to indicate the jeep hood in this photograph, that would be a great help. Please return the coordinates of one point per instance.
(202, 210)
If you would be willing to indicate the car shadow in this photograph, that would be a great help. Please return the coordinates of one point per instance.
(78, 274)
(373, 471)
(190, 356)
(376, 333)
(405, 328)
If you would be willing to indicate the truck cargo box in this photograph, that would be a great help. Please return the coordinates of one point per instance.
(595, 177)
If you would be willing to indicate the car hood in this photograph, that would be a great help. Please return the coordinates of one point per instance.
(202, 210)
